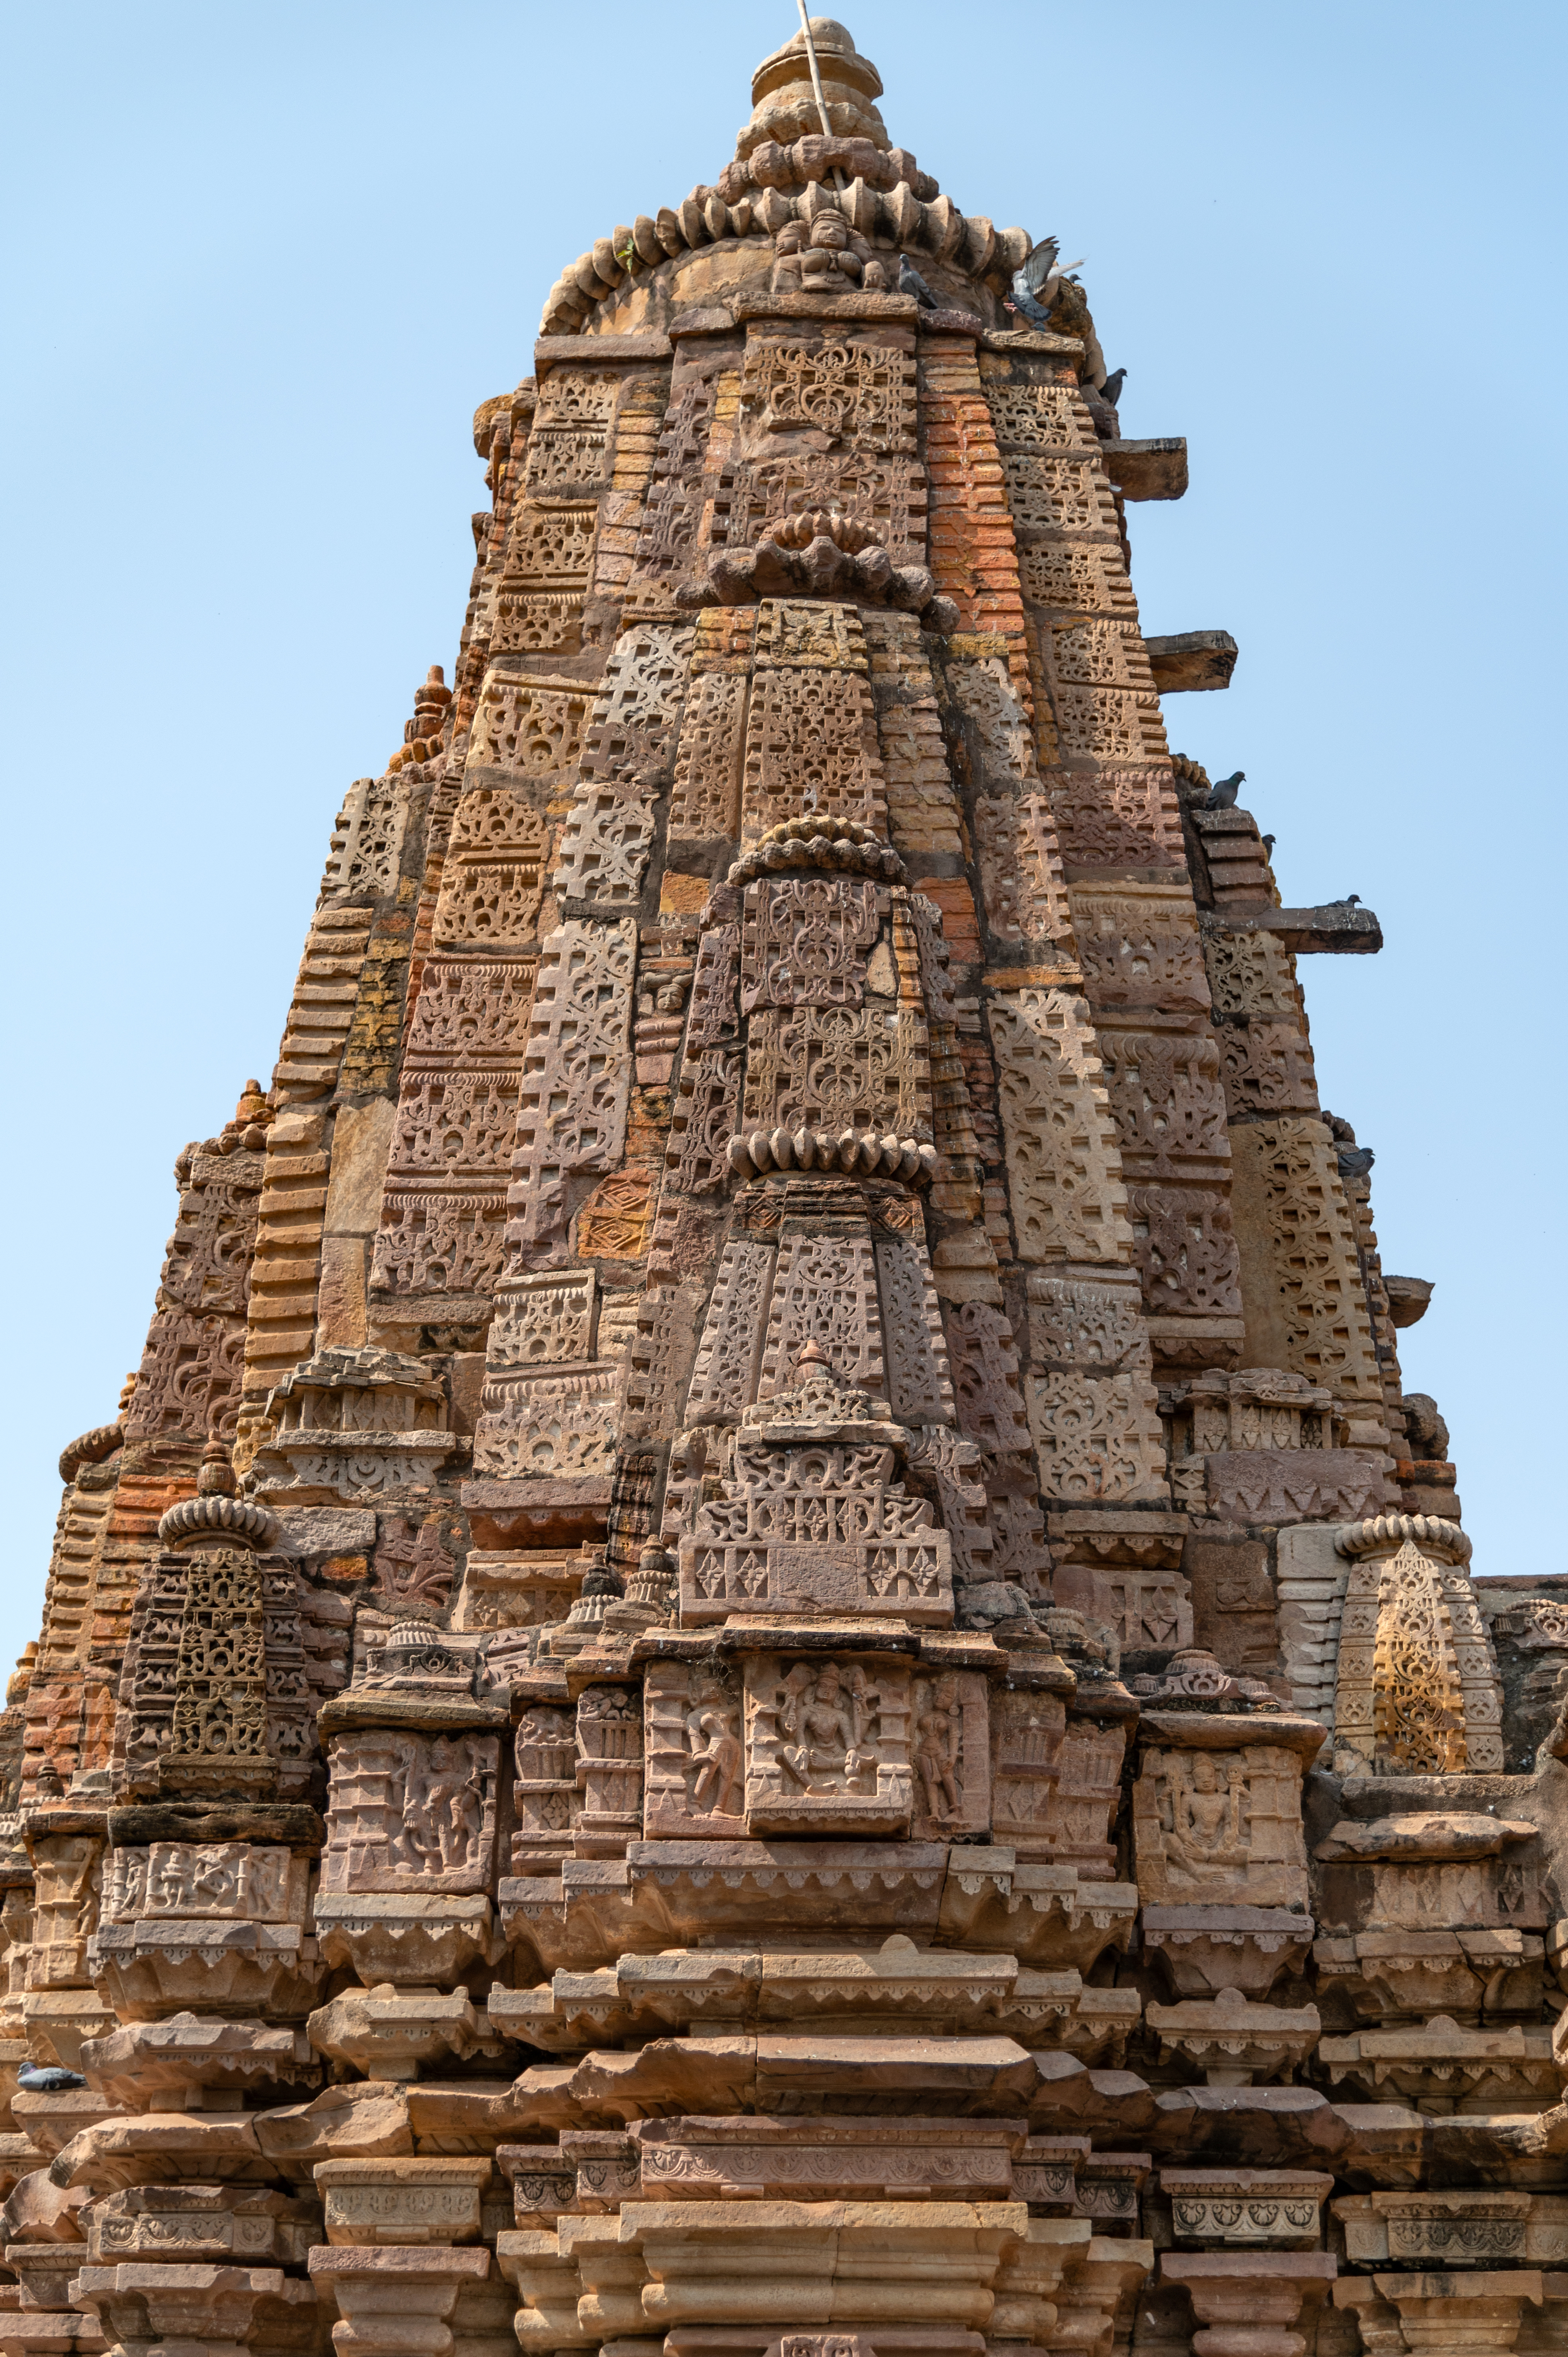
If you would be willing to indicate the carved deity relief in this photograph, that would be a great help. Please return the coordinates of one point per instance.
(827, 1746)
(1221, 1826)
(696, 1753)
(411, 1811)
(950, 1744)
(240, 1882)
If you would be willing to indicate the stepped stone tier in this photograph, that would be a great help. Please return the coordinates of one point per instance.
(767, 1662)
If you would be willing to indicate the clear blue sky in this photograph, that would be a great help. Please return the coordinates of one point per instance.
(265, 263)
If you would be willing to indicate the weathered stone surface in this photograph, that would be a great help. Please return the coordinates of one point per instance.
(788, 1381)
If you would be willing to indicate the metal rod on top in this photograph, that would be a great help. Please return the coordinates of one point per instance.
(817, 86)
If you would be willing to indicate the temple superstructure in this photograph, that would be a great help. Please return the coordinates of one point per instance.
(767, 1662)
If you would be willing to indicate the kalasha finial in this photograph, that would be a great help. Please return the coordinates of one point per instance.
(217, 1515)
(216, 1479)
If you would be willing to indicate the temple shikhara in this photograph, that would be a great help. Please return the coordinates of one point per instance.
(767, 1661)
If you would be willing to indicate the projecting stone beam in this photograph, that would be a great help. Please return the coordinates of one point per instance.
(1340, 925)
(1148, 470)
(1192, 659)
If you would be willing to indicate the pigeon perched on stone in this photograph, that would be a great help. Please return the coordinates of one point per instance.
(1222, 794)
(47, 2079)
(1350, 900)
(1354, 1161)
(1037, 286)
(1110, 390)
(911, 283)
(1269, 842)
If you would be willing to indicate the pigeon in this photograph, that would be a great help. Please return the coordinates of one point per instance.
(1354, 1161)
(1350, 900)
(1269, 842)
(1037, 284)
(911, 283)
(1222, 794)
(1110, 390)
(47, 2079)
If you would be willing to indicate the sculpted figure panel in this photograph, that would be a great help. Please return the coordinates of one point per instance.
(827, 1746)
(1220, 1827)
(696, 1757)
(411, 1811)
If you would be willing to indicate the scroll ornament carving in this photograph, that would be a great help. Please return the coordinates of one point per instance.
(813, 1520)
(861, 395)
(1098, 1437)
(367, 842)
(1064, 1171)
(576, 1080)
(532, 725)
(493, 879)
(810, 748)
(1417, 1688)
(804, 941)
